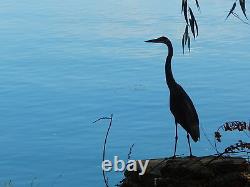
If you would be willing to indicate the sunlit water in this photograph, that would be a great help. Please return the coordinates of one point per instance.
(64, 64)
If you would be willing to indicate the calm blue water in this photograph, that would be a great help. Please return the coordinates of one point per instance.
(64, 64)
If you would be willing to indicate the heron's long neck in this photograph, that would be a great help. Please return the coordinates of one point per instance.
(168, 71)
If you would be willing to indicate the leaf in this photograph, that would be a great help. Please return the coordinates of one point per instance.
(186, 34)
(243, 7)
(189, 43)
(185, 11)
(232, 9)
(182, 43)
(184, 38)
(193, 22)
(196, 25)
(182, 6)
(197, 4)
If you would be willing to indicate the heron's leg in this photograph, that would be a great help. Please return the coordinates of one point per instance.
(176, 138)
(190, 150)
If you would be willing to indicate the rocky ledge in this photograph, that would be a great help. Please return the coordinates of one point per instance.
(208, 171)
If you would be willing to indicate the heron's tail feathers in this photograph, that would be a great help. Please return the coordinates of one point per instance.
(195, 132)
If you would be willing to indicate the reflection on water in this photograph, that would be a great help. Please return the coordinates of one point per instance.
(64, 64)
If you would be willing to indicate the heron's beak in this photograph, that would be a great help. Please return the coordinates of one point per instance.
(152, 41)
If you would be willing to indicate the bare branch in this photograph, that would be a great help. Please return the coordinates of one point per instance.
(104, 145)
(102, 118)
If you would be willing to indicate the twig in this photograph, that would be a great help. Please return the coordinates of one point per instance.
(104, 145)
(203, 131)
(129, 154)
(130, 151)
(102, 118)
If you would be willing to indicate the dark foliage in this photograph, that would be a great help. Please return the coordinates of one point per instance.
(231, 10)
(231, 126)
(191, 24)
(240, 146)
(242, 4)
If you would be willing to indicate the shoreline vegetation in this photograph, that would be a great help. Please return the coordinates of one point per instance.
(229, 168)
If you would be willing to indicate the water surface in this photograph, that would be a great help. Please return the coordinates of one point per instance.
(66, 63)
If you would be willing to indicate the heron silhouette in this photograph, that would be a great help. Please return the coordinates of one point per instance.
(181, 105)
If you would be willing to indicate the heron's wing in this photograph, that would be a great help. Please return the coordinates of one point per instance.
(184, 112)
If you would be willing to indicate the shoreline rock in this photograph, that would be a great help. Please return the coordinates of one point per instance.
(207, 171)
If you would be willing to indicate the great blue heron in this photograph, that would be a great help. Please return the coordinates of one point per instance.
(181, 105)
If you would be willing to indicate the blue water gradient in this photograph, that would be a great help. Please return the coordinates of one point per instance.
(66, 63)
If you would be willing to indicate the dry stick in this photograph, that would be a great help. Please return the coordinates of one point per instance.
(104, 150)
(102, 118)
(129, 154)
(130, 151)
(203, 131)
(104, 146)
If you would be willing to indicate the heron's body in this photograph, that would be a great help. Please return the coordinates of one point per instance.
(181, 105)
(184, 112)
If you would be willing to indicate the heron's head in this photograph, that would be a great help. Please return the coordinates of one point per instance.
(161, 39)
